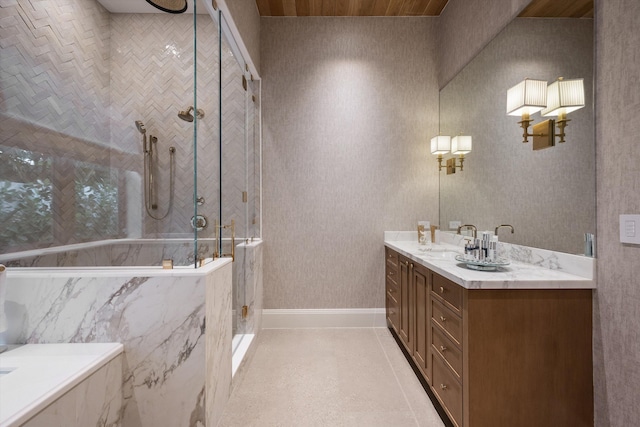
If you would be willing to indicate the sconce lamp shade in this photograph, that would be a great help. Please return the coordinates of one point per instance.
(440, 144)
(527, 97)
(461, 144)
(564, 96)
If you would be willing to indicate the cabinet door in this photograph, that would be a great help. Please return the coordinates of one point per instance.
(406, 332)
(421, 307)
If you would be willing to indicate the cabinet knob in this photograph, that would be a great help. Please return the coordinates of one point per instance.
(441, 290)
(443, 348)
(443, 386)
(443, 319)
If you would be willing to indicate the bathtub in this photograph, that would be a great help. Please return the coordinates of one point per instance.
(48, 384)
(176, 367)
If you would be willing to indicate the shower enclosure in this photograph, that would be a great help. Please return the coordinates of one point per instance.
(127, 135)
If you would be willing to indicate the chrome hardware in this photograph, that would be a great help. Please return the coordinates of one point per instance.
(443, 348)
(443, 387)
(441, 290)
(200, 201)
(443, 319)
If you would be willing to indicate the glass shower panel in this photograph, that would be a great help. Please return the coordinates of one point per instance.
(206, 128)
(233, 166)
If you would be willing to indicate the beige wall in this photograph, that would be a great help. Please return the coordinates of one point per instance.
(466, 26)
(247, 19)
(617, 308)
(348, 106)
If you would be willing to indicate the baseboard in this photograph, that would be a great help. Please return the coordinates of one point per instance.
(323, 318)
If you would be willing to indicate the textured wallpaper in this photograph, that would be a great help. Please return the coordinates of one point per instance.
(466, 26)
(547, 195)
(349, 106)
(617, 308)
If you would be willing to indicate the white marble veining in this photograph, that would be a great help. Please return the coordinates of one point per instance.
(159, 316)
(530, 268)
(41, 374)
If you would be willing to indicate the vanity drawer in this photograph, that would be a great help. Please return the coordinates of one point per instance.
(447, 350)
(447, 389)
(392, 257)
(393, 311)
(451, 293)
(392, 288)
(447, 320)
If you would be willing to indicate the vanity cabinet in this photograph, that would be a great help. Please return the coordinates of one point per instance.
(497, 357)
(392, 289)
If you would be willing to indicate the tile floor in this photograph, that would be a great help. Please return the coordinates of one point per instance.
(328, 377)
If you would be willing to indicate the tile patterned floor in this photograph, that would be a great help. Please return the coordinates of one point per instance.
(329, 377)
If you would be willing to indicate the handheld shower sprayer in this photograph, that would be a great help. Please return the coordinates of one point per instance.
(188, 117)
(150, 167)
(143, 131)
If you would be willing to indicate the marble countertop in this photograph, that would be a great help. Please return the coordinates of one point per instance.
(33, 376)
(440, 258)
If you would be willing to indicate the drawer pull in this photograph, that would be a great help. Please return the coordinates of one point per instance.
(443, 319)
(441, 290)
(443, 386)
(392, 273)
(443, 348)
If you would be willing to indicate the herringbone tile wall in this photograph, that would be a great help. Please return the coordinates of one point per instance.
(74, 79)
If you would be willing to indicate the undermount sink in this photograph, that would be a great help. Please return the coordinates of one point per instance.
(438, 253)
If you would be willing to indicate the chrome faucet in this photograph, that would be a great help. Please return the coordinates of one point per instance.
(504, 225)
(473, 228)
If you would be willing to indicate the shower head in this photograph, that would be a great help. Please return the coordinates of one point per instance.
(188, 117)
(140, 127)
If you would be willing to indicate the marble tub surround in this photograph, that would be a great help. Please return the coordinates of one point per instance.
(530, 268)
(61, 384)
(113, 252)
(159, 317)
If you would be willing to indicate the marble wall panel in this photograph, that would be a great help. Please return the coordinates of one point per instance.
(96, 401)
(160, 321)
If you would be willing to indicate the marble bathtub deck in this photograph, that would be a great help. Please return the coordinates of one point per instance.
(329, 377)
(38, 374)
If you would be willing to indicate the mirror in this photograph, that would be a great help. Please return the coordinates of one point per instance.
(547, 195)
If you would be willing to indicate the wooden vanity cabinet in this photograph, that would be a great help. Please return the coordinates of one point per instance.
(392, 289)
(503, 357)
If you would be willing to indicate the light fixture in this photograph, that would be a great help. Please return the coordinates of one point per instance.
(440, 145)
(563, 97)
(170, 6)
(460, 145)
(526, 98)
(559, 98)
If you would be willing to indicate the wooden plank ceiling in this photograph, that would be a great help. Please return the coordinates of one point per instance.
(558, 9)
(537, 8)
(350, 7)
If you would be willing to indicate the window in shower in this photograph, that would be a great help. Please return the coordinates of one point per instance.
(25, 205)
(96, 196)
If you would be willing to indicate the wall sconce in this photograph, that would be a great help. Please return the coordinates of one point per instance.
(560, 98)
(563, 97)
(526, 98)
(440, 145)
(458, 145)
